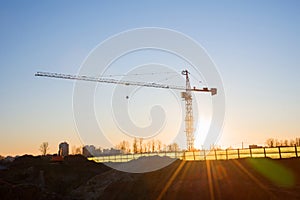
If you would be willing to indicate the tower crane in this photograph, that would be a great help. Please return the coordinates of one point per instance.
(186, 94)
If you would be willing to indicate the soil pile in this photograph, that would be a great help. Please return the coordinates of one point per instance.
(29, 177)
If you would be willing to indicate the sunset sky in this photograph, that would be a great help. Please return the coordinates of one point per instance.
(254, 44)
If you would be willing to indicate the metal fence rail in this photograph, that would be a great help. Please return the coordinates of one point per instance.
(272, 152)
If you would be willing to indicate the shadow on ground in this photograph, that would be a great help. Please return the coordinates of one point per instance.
(29, 177)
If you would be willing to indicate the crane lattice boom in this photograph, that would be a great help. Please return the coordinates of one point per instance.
(213, 91)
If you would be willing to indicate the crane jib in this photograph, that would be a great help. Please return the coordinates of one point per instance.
(213, 91)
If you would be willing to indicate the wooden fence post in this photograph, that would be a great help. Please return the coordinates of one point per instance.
(296, 151)
(204, 154)
(216, 155)
(194, 155)
(239, 153)
(265, 152)
(226, 154)
(279, 152)
(250, 152)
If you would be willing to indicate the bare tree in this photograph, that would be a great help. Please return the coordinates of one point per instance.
(173, 147)
(145, 147)
(123, 146)
(153, 145)
(277, 143)
(159, 145)
(165, 147)
(73, 149)
(44, 148)
(286, 143)
(76, 150)
(292, 142)
(135, 145)
(270, 142)
(297, 142)
(149, 146)
(217, 147)
(141, 145)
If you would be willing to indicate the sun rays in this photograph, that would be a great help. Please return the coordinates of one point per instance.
(212, 179)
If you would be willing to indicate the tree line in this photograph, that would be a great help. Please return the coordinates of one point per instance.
(140, 145)
(271, 142)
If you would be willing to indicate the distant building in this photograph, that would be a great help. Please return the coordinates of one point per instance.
(111, 151)
(63, 149)
(91, 151)
(254, 146)
(88, 150)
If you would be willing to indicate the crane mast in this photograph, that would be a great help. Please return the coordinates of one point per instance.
(189, 127)
(186, 94)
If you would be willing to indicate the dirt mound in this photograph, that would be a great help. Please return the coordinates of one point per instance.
(77, 178)
(95, 187)
(53, 179)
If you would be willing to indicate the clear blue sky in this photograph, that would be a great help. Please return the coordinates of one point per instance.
(255, 45)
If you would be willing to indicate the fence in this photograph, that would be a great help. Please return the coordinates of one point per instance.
(273, 152)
